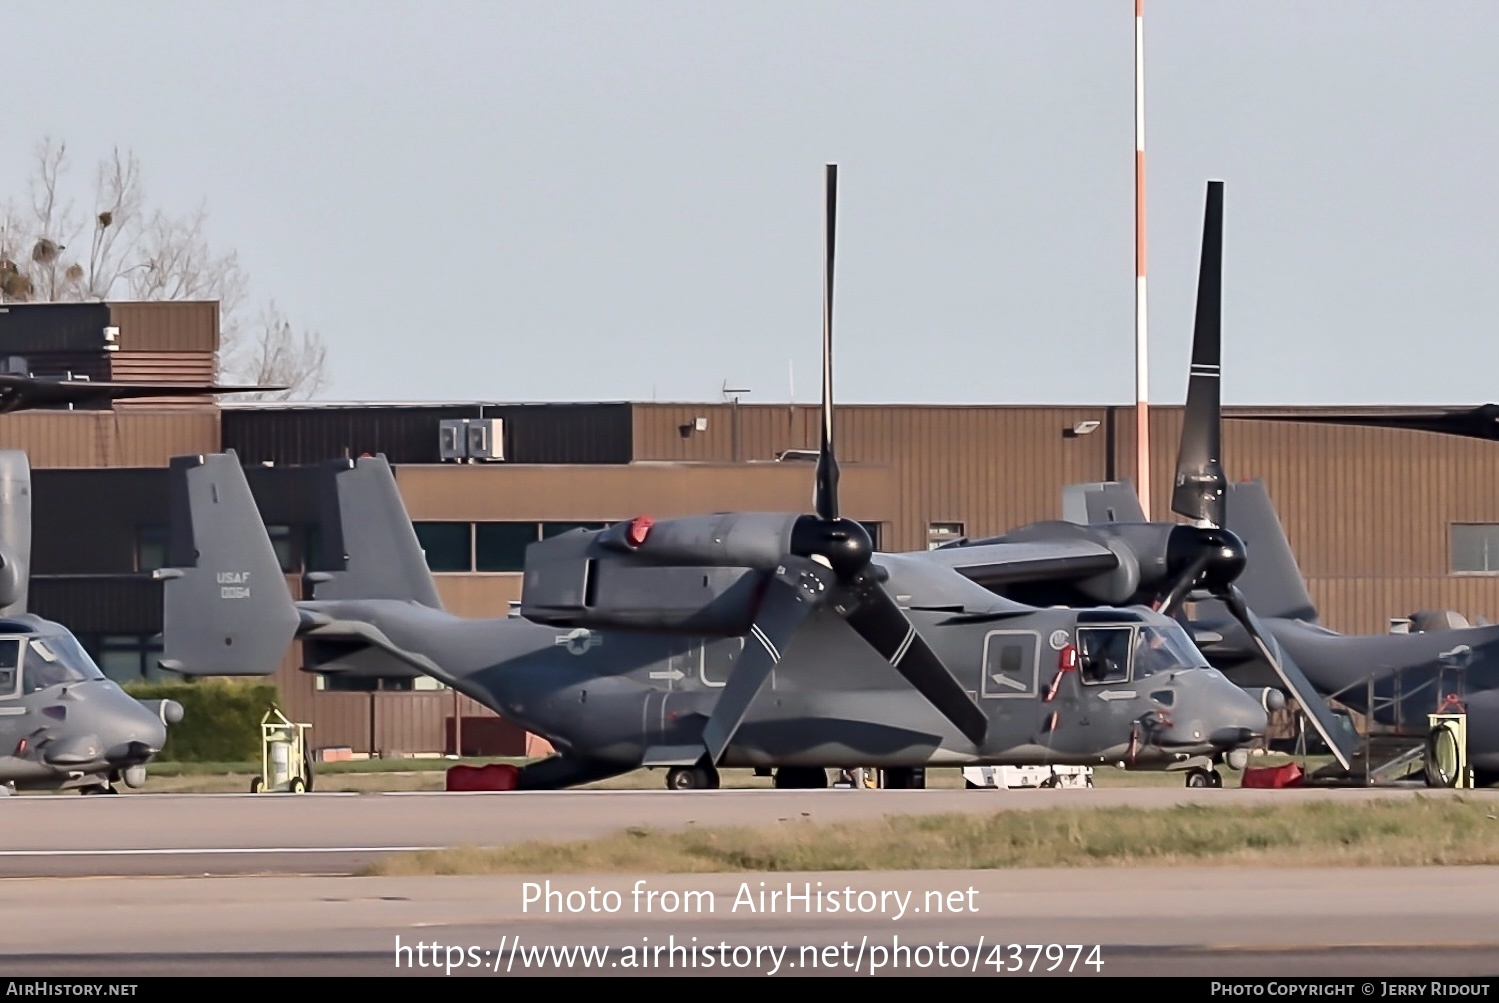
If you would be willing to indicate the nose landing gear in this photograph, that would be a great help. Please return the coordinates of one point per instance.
(1198, 777)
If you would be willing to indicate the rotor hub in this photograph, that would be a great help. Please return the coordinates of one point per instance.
(843, 544)
(1222, 552)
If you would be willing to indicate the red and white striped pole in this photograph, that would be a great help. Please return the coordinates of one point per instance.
(1142, 359)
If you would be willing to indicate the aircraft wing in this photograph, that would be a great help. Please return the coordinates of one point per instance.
(20, 393)
(992, 564)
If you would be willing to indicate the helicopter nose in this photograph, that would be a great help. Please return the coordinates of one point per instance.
(1214, 711)
(136, 734)
(1243, 719)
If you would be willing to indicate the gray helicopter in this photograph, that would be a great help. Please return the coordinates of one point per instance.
(63, 725)
(777, 642)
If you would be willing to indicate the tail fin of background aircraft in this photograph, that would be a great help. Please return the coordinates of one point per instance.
(227, 610)
(368, 538)
(1103, 502)
(1272, 583)
(15, 531)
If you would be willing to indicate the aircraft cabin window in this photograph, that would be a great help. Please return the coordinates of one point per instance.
(1103, 654)
(10, 667)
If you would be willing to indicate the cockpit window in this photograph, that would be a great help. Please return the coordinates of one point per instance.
(1165, 648)
(1103, 653)
(55, 661)
(10, 667)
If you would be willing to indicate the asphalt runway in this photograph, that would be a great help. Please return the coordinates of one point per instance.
(219, 834)
(1219, 922)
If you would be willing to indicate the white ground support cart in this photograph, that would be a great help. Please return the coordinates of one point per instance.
(1011, 777)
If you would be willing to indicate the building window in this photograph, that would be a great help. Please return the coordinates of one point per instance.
(938, 533)
(313, 555)
(288, 546)
(558, 528)
(1475, 548)
(339, 682)
(129, 658)
(150, 548)
(501, 546)
(448, 546)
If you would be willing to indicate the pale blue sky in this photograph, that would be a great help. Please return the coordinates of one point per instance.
(580, 201)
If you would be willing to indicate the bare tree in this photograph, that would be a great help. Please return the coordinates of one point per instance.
(123, 249)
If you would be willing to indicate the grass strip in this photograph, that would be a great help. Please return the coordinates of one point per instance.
(1424, 830)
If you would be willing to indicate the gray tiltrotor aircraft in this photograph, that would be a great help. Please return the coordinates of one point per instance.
(631, 648)
(1397, 679)
(63, 725)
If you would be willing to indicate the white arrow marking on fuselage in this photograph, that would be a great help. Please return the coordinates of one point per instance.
(1007, 681)
(669, 674)
(1117, 695)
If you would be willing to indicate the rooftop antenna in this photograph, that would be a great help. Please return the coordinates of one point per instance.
(1142, 358)
(731, 394)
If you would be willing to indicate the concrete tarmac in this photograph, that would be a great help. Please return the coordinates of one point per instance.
(197, 834)
(1218, 922)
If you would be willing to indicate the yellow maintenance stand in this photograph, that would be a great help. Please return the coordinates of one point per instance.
(1447, 751)
(284, 763)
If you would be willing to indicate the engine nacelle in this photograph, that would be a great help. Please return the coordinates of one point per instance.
(699, 602)
(601, 580)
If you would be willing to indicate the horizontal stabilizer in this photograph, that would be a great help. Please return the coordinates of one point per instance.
(674, 755)
(226, 607)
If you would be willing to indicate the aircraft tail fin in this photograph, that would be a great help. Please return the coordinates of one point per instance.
(1103, 502)
(227, 610)
(369, 542)
(1272, 582)
(15, 531)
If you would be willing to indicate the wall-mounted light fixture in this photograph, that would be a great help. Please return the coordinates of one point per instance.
(1081, 428)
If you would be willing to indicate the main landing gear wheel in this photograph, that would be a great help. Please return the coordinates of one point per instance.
(256, 785)
(801, 778)
(1197, 777)
(98, 789)
(692, 778)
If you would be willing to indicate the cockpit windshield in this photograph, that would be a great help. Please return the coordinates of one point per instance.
(1164, 648)
(53, 661)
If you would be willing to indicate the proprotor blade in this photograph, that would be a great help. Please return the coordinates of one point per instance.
(1290, 674)
(826, 500)
(798, 589)
(880, 621)
(1200, 481)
